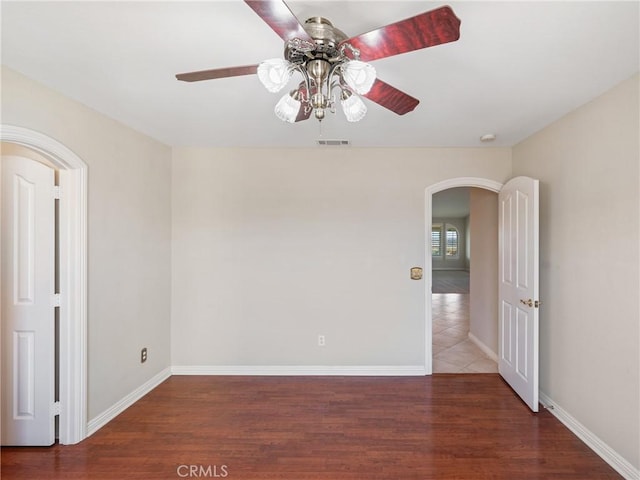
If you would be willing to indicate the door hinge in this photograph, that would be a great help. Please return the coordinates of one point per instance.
(55, 300)
(56, 192)
(56, 408)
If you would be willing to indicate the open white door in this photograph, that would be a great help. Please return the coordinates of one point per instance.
(518, 287)
(28, 283)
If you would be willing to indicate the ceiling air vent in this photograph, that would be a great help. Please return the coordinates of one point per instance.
(333, 143)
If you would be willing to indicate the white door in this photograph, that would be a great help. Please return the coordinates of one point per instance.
(518, 287)
(28, 283)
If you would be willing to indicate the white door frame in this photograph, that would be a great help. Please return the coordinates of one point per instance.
(73, 276)
(477, 182)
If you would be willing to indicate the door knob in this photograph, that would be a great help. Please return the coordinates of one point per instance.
(531, 303)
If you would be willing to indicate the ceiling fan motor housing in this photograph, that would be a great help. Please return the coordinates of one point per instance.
(317, 58)
(323, 31)
(326, 39)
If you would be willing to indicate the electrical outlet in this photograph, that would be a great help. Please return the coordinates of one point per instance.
(143, 355)
(321, 342)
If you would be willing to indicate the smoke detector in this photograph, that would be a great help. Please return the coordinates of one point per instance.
(488, 137)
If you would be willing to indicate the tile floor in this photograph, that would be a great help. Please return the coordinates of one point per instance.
(453, 352)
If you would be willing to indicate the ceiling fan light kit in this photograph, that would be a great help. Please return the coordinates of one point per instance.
(359, 76)
(324, 67)
(288, 106)
(334, 67)
(352, 106)
(274, 74)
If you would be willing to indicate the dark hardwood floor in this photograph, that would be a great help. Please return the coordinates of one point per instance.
(294, 428)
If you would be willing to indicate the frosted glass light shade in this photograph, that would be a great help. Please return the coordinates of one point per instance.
(274, 74)
(354, 108)
(287, 108)
(359, 76)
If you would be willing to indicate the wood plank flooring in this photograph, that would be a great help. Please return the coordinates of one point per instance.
(295, 428)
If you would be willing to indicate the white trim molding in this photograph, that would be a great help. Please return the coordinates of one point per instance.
(293, 370)
(608, 454)
(482, 346)
(112, 412)
(73, 276)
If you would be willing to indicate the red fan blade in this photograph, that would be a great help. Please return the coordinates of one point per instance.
(303, 114)
(390, 97)
(305, 109)
(425, 30)
(277, 15)
(217, 73)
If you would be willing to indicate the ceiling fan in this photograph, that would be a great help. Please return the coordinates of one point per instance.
(332, 65)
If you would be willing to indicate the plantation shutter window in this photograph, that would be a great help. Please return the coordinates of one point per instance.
(452, 242)
(436, 240)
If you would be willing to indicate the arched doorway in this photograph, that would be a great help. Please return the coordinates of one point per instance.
(73, 276)
(476, 182)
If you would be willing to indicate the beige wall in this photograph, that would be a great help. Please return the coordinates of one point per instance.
(273, 247)
(128, 234)
(483, 278)
(587, 164)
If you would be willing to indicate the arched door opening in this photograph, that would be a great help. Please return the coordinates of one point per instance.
(452, 310)
(72, 220)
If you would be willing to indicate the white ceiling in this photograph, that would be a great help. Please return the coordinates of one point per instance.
(517, 67)
(450, 203)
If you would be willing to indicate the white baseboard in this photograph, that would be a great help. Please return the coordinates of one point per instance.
(486, 350)
(291, 370)
(608, 454)
(105, 417)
